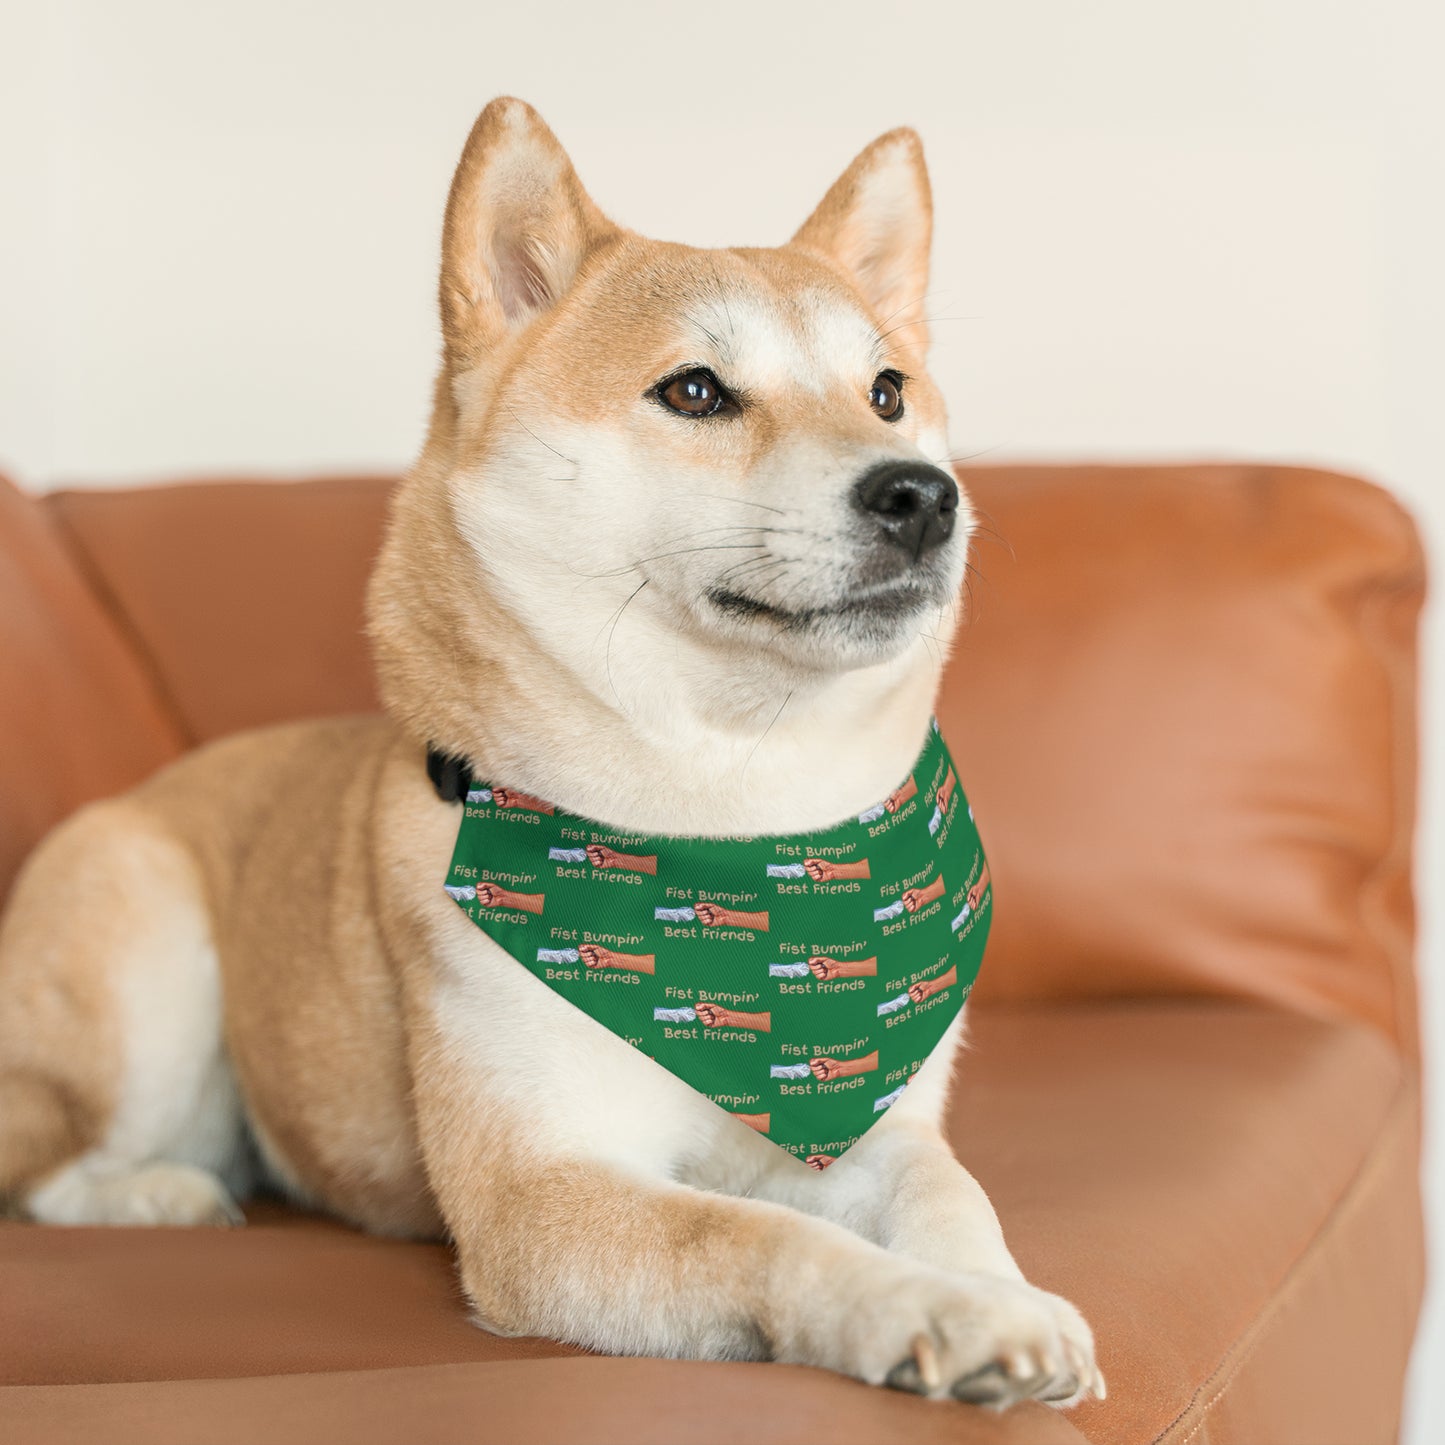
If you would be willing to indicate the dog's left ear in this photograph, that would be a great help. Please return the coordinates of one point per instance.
(877, 223)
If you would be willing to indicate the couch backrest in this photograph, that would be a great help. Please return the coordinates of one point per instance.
(1183, 707)
(79, 714)
(246, 596)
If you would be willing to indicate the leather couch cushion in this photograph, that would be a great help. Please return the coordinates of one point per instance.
(79, 716)
(1186, 1172)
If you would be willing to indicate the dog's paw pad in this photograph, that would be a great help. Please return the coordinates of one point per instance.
(988, 1386)
(919, 1373)
(905, 1376)
(1062, 1390)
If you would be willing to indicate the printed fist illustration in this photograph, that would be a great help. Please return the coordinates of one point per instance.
(595, 955)
(821, 870)
(818, 1161)
(490, 896)
(712, 915)
(945, 791)
(714, 1016)
(601, 856)
(900, 795)
(826, 1069)
(916, 898)
(975, 894)
(927, 987)
(511, 798)
(825, 969)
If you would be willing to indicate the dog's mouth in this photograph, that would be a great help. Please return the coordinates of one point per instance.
(891, 603)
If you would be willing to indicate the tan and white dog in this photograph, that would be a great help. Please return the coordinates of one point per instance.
(676, 554)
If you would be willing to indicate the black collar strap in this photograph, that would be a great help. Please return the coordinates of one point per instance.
(450, 775)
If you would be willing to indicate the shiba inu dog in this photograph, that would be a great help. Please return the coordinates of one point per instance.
(677, 553)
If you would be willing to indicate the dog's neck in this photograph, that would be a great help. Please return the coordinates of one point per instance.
(703, 750)
(660, 732)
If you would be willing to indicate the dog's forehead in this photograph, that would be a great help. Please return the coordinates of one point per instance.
(769, 320)
(768, 339)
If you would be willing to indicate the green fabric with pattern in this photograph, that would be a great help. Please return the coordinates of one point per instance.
(796, 980)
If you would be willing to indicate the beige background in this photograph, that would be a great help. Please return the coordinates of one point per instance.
(1164, 229)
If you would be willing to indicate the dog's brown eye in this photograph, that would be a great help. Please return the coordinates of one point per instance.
(694, 393)
(886, 398)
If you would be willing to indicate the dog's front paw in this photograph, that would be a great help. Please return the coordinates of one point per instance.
(979, 1338)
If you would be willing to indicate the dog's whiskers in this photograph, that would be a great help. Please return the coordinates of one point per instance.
(769, 570)
(743, 773)
(679, 552)
(923, 321)
(808, 575)
(748, 502)
(757, 531)
(969, 573)
(990, 530)
(607, 655)
(954, 459)
(571, 461)
(738, 568)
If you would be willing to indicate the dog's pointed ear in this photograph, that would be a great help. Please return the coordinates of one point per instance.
(877, 223)
(518, 227)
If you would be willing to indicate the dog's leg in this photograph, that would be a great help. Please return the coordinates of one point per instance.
(610, 1255)
(590, 1254)
(116, 1103)
(901, 1187)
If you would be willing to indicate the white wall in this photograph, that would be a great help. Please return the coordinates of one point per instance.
(1164, 228)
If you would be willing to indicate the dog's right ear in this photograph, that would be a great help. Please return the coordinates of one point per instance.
(518, 227)
(877, 223)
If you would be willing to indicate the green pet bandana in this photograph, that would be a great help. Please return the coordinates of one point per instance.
(797, 980)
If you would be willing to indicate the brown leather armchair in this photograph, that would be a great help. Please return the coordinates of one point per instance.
(1185, 713)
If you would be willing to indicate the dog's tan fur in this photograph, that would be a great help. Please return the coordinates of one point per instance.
(259, 934)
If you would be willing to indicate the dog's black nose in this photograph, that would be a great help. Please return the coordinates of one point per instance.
(915, 504)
